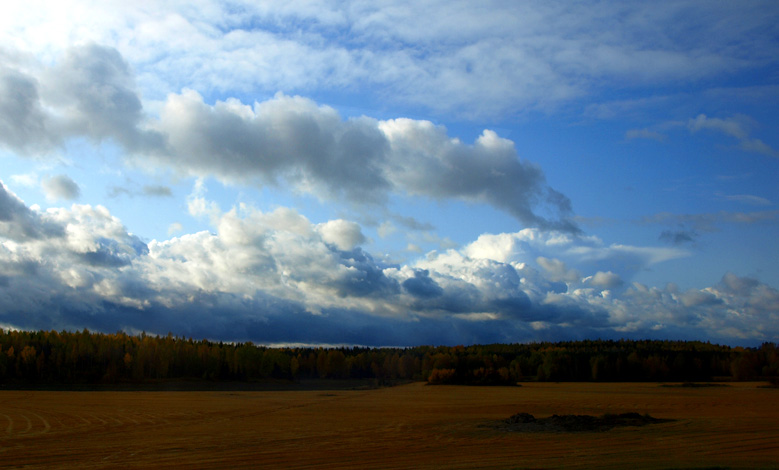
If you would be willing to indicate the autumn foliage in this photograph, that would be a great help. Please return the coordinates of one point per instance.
(50, 357)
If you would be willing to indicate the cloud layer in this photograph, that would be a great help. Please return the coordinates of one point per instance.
(429, 54)
(276, 277)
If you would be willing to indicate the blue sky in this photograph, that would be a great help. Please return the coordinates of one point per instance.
(384, 173)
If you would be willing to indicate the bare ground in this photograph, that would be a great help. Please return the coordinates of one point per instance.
(410, 426)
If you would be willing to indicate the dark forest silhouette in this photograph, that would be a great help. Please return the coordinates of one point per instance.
(51, 358)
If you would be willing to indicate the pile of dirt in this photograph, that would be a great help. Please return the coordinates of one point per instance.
(525, 422)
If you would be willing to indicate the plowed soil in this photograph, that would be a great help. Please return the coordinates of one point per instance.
(409, 426)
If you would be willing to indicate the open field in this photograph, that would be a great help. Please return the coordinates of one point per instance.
(409, 426)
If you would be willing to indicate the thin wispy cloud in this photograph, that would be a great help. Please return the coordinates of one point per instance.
(737, 127)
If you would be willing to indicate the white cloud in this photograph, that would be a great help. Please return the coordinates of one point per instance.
(758, 146)
(746, 199)
(175, 227)
(555, 252)
(343, 234)
(29, 180)
(734, 127)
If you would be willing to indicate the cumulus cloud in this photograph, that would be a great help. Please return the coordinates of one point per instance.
(275, 276)
(60, 187)
(554, 251)
(90, 93)
(94, 88)
(286, 140)
(605, 280)
(557, 271)
(345, 235)
(427, 162)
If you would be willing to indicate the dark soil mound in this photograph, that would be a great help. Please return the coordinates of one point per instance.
(525, 422)
(696, 385)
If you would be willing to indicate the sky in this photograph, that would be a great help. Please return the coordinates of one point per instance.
(391, 173)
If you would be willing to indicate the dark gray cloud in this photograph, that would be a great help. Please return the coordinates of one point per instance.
(363, 277)
(18, 222)
(89, 93)
(24, 125)
(422, 286)
(286, 139)
(111, 253)
(742, 286)
(95, 87)
(427, 162)
(292, 139)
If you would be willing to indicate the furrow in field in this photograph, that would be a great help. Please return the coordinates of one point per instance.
(745, 445)
(10, 426)
(28, 424)
(44, 422)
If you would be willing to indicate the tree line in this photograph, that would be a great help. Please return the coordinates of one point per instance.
(84, 357)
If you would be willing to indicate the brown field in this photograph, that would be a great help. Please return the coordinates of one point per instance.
(409, 426)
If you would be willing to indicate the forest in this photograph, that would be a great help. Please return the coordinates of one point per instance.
(84, 357)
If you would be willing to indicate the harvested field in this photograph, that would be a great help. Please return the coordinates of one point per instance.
(409, 426)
